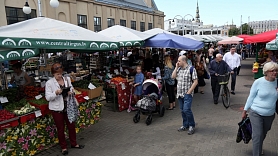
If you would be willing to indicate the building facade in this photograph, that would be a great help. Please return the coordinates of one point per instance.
(193, 26)
(95, 15)
(263, 26)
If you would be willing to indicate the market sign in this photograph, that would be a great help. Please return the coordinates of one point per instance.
(58, 44)
(132, 44)
(17, 54)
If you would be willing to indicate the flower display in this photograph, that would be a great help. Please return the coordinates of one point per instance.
(36, 135)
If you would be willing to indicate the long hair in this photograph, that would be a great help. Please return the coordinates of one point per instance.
(168, 62)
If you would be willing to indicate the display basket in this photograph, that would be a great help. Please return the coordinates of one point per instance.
(13, 122)
(27, 117)
(223, 79)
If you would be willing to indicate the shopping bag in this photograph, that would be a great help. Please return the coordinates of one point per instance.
(206, 74)
(244, 131)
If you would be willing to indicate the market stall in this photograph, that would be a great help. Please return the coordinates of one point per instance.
(25, 124)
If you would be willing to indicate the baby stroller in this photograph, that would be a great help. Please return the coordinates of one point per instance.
(151, 101)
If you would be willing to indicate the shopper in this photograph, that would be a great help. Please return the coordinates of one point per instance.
(187, 81)
(210, 52)
(238, 69)
(200, 68)
(217, 67)
(58, 106)
(262, 103)
(169, 82)
(233, 60)
(147, 63)
(138, 81)
(20, 78)
(156, 72)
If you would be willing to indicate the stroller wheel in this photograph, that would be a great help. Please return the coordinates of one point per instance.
(149, 119)
(161, 111)
(136, 118)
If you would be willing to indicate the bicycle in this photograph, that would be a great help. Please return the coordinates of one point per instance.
(223, 81)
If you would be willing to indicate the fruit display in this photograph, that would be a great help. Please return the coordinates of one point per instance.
(31, 91)
(25, 109)
(118, 80)
(11, 106)
(6, 115)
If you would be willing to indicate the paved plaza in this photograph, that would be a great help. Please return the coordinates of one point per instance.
(117, 135)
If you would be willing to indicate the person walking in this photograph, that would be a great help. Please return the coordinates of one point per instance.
(210, 52)
(187, 81)
(233, 60)
(217, 67)
(238, 69)
(169, 82)
(58, 106)
(200, 68)
(262, 103)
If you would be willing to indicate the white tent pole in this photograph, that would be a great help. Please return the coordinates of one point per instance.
(39, 8)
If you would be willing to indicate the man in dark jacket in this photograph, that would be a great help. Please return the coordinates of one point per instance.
(217, 67)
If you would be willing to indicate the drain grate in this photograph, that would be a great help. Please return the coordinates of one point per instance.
(248, 86)
(237, 107)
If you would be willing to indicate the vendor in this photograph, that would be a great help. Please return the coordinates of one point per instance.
(271, 56)
(58, 106)
(20, 78)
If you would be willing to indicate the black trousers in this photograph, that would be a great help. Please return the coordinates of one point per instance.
(170, 92)
(215, 87)
(238, 70)
(233, 84)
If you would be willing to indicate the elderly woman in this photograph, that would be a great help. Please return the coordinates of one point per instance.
(262, 103)
(58, 105)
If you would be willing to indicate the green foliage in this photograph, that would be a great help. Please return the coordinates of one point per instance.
(245, 30)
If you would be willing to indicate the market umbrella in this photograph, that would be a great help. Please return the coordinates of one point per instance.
(194, 37)
(125, 36)
(156, 31)
(231, 40)
(46, 33)
(261, 38)
(165, 40)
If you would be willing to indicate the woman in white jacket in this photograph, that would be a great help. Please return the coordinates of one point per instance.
(58, 106)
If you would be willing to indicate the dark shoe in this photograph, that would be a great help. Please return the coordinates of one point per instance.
(174, 106)
(232, 92)
(202, 92)
(191, 130)
(216, 102)
(65, 152)
(78, 147)
(170, 108)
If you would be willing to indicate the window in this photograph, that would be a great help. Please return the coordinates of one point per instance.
(150, 26)
(142, 26)
(123, 23)
(110, 22)
(15, 15)
(133, 25)
(97, 24)
(82, 21)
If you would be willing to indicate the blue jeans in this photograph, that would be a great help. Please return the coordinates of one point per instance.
(186, 112)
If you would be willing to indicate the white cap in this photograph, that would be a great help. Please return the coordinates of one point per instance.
(182, 53)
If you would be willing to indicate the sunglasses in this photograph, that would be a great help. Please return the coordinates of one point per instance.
(273, 71)
(58, 67)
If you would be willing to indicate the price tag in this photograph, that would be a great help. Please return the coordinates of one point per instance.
(3, 99)
(86, 97)
(91, 86)
(38, 113)
(116, 71)
(126, 71)
(38, 97)
(121, 69)
(123, 86)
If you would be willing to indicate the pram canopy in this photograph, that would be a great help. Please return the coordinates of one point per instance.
(151, 86)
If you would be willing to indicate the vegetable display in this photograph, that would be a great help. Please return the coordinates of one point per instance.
(31, 91)
(25, 109)
(15, 105)
(6, 115)
(40, 101)
(83, 84)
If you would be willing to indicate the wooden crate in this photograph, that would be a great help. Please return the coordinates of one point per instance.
(94, 93)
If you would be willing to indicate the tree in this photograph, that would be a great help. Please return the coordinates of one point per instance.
(234, 31)
(246, 29)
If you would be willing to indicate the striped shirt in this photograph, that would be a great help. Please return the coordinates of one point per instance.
(185, 81)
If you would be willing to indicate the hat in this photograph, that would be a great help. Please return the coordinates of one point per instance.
(182, 53)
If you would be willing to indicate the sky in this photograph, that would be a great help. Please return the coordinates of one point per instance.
(219, 12)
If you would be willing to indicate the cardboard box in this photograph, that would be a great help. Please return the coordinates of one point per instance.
(94, 93)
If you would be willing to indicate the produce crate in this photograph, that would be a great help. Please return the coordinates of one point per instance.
(27, 117)
(13, 122)
(94, 93)
(43, 107)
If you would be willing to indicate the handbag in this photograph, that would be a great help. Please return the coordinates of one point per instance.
(244, 131)
(206, 75)
(76, 101)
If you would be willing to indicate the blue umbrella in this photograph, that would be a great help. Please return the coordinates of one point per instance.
(165, 40)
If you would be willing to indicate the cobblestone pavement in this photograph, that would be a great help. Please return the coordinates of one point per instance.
(117, 135)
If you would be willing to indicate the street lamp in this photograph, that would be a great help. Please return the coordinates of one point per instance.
(183, 22)
(27, 10)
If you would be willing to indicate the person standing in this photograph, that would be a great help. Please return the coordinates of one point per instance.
(262, 103)
(243, 52)
(217, 67)
(200, 68)
(233, 60)
(169, 82)
(20, 78)
(138, 82)
(187, 81)
(58, 106)
(210, 52)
